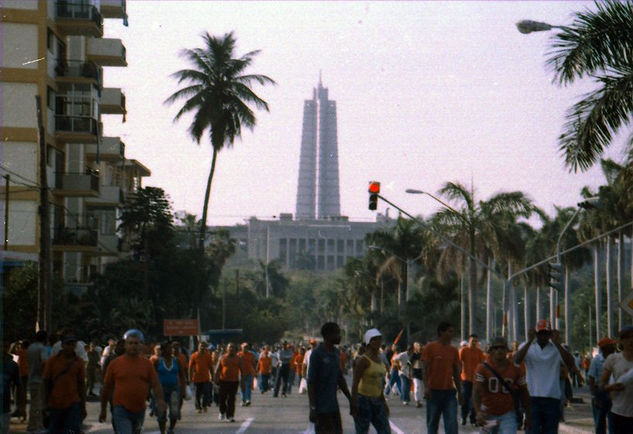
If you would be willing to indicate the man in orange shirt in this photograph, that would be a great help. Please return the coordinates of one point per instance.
(65, 388)
(265, 367)
(227, 375)
(470, 357)
(127, 382)
(441, 374)
(200, 369)
(248, 362)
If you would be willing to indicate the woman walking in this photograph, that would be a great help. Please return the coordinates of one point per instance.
(368, 398)
(171, 375)
(227, 374)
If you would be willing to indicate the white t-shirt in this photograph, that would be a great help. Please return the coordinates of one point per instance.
(543, 370)
(80, 350)
(623, 399)
(403, 359)
(306, 360)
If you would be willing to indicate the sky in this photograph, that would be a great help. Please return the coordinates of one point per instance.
(426, 93)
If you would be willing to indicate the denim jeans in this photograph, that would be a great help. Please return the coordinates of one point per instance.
(444, 403)
(621, 424)
(65, 420)
(171, 395)
(467, 406)
(507, 423)
(405, 385)
(203, 394)
(263, 382)
(245, 391)
(394, 378)
(371, 410)
(126, 422)
(545, 415)
(600, 407)
(283, 373)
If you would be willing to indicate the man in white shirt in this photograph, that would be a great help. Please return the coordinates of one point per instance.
(542, 362)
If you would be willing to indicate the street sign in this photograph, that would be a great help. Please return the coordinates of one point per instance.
(627, 304)
(180, 327)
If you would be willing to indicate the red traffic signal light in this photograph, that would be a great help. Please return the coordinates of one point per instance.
(374, 187)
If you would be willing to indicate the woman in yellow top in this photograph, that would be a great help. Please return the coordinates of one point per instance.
(368, 399)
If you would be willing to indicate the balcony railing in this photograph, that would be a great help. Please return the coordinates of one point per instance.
(107, 51)
(80, 182)
(75, 236)
(79, 11)
(76, 124)
(79, 69)
(112, 101)
(113, 8)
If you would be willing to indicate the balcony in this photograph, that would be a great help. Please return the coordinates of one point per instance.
(76, 129)
(106, 52)
(78, 18)
(112, 101)
(109, 245)
(109, 195)
(113, 9)
(75, 238)
(78, 70)
(79, 185)
(110, 149)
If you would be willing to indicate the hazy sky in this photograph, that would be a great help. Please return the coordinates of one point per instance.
(427, 92)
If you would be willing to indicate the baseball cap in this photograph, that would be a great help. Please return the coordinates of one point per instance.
(134, 333)
(370, 334)
(499, 341)
(69, 338)
(463, 343)
(543, 325)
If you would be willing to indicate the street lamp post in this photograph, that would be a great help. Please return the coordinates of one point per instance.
(529, 26)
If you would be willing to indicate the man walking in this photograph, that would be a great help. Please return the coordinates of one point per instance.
(248, 364)
(283, 373)
(200, 369)
(37, 354)
(65, 388)
(264, 366)
(543, 362)
(442, 381)
(470, 357)
(325, 377)
(601, 400)
(127, 382)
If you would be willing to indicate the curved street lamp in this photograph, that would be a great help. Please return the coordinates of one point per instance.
(529, 26)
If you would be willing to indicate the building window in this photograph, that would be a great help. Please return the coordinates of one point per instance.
(360, 248)
(350, 247)
(330, 246)
(340, 245)
(321, 245)
(330, 262)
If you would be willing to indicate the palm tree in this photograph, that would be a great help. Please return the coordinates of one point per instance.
(598, 45)
(218, 93)
(478, 227)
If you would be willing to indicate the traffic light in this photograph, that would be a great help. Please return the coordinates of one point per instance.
(374, 189)
(555, 275)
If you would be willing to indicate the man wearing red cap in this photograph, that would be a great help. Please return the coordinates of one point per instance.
(600, 400)
(542, 362)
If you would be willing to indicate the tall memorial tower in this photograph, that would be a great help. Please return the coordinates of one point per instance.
(318, 187)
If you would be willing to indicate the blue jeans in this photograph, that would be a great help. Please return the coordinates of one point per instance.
(600, 407)
(263, 382)
(441, 402)
(171, 395)
(246, 390)
(203, 394)
(371, 410)
(283, 373)
(65, 420)
(467, 406)
(545, 415)
(394, 378)
(507, 423)
(126, 422)
(405, 385)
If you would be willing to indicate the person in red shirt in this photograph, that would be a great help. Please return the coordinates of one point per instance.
(248, 362)
(127, 383)
(65, 389)
(227, 375)
(470, 357)
(200, 369)
(496, 381)
(264, 367)
(441, 376)
(23, 364)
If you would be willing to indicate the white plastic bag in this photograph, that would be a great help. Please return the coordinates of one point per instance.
(188, 392)
(303, 386)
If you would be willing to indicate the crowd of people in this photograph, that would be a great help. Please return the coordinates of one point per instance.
(497, 388)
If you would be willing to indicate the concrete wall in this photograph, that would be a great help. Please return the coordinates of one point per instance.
(22, 221)
(19, 45)
(20, 158)
(18, 105)
(20, 4)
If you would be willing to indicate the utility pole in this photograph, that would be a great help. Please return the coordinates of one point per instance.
(6, 212)
(44, 296)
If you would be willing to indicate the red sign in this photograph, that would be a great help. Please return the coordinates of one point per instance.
(180, 327)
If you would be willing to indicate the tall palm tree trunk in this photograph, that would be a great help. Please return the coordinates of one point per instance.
(609, 285)
(526, 311)
(472, 281)
(596, 278)
(566, 307)
(621, 254)
(205, 209)
(489, 306)
(514, 323)
(462, 307)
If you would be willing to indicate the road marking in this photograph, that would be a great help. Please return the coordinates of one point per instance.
(245, 425)
(395, 428)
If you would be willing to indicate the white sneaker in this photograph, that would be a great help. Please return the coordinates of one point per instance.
(221, 416)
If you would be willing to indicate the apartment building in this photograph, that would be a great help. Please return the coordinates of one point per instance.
(55, 49)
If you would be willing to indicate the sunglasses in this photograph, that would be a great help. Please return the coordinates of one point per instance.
(498, 347)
